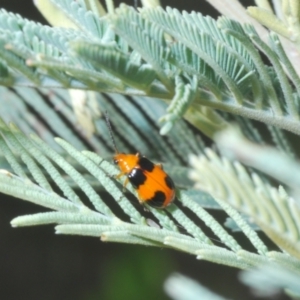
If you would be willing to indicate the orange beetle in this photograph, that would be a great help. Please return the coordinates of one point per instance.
(153, 185)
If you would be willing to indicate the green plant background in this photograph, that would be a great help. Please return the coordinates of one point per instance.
(36, 264)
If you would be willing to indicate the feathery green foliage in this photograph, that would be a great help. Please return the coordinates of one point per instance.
(142, 66)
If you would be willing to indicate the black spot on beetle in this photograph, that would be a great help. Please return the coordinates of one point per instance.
(169, 182)
(145, 164)
(136, 177)
(157, 200)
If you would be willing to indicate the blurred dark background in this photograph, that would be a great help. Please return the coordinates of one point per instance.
(37, 264)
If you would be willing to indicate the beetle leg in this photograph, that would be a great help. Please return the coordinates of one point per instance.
(119, 175)
(124, 184)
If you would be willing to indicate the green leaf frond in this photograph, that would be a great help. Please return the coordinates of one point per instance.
(235, 146)
(271, 209)
(147, 39)
(142, 53)
(267, 280)
(50, 113)
(86, 20)
(285, 21)
(225, 41)
(178, 287)
(184, 96)
(40, 175)
(202, 43)
(118, 64)
(210, 72)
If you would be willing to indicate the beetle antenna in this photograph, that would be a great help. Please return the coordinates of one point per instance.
(110, 131)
